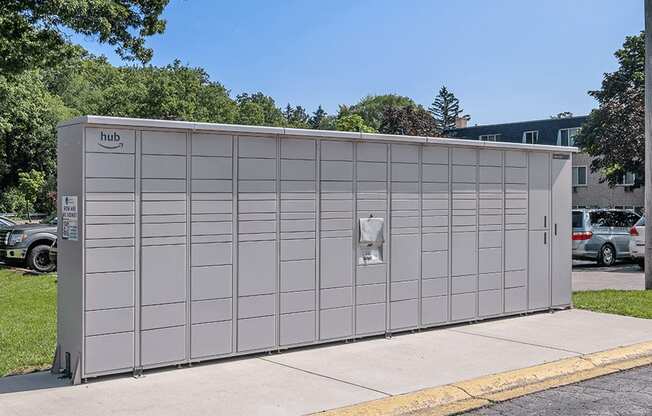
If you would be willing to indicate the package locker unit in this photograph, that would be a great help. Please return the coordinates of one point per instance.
(199, 241)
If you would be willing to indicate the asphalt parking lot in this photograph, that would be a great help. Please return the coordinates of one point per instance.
(626, 393)
(621, 276)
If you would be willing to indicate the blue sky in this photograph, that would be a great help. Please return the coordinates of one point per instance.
(506, 60)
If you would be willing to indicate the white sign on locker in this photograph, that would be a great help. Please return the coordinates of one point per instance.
(69, 228)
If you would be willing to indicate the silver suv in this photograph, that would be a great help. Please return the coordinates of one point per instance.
(602, 234)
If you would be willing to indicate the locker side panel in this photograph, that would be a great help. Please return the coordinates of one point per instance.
(70, 306)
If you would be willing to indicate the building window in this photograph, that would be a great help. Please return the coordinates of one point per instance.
(489, 137)
(628, 179)
(579, 175)
(566, 137)
(531, 137)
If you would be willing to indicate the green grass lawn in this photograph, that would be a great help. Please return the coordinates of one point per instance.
(28, 321)
(637, 303)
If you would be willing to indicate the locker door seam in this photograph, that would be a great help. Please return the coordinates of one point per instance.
(188, 298)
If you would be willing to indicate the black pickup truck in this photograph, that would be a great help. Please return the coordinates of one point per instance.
(29, 245)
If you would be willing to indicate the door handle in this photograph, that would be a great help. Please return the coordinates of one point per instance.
(545, 220)
(555, 228)
(545, 238)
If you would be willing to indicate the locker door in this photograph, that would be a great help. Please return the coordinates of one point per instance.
(539, 235)
(539, 273)
(539, 190)
(561, 231)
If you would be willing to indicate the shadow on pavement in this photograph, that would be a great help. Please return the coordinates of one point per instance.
(32, 381)
(593, 267)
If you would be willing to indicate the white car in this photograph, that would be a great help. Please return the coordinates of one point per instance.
(637, 242)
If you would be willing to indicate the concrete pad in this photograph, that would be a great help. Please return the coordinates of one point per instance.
(415, 361)
(572, 330)
(242, 387)
(320, 378)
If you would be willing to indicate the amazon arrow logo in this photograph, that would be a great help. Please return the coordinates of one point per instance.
(110, 141)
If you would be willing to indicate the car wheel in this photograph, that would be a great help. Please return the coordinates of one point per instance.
(38, 259)
(607, 255)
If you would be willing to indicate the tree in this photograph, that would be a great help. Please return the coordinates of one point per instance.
(371, 108)
(29, 114)
(353, 122)
(446, 110)
(411, 120)
(318, 119)
(12, 200)
(34, 34)
(296, 117)
(258, 110)
(30, 185)
(172, 92)
(614, 133)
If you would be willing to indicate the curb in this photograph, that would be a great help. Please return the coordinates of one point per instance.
(472, 394)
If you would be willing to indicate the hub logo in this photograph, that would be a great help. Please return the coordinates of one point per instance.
(110, 141)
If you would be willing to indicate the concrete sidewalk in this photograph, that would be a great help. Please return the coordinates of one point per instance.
(327, 377)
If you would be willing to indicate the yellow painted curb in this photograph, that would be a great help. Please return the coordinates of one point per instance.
(472, 394)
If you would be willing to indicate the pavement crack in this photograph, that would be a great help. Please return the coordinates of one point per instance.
(516, 341)
(327, 377)
(474, 396)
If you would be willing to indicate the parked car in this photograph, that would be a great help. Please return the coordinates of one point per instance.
(6, 222)
(53, 253)
(602, 235)
(637, 242)
(29, 245)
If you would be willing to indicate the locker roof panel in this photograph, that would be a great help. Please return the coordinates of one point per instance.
(289, 132)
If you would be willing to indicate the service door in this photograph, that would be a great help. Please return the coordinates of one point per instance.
(561, 230)
(539, 234)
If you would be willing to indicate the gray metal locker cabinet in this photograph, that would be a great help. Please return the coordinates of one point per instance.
(405, 245)
(464, 244)
(199, 241)
(562, 228)
(336, 240)
(298, 242)
(490, 254)
(371, 200)
(539, 235)
(257, 243)
(516, 231)
(164, 210)
(110, 252)
(211, 225)
(435, 217)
